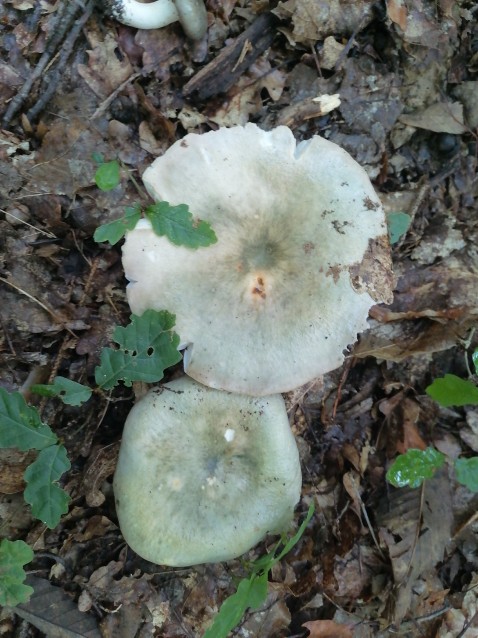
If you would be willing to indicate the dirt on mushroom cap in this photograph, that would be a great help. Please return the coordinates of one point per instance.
(283, 292)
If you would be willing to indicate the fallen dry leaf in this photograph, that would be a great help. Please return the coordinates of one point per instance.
(411, 435)
(401, 417)
(397, 12)
(53, 612)
(327, 629)
(13, 464)
(415, 528)
(315, 19)
(105, 71)
(442, 117)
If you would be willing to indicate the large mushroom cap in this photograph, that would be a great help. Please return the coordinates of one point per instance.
(203, 475)
(302, 254)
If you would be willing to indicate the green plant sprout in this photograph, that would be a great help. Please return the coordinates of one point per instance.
(251, 592)
(107, 176)
(413, 467)
(174, 222)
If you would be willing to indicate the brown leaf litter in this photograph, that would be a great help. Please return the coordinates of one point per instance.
(395, 84)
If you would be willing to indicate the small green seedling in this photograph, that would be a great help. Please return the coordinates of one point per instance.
(251, 592)
(413, 467)
(174, 222)
(107, 176)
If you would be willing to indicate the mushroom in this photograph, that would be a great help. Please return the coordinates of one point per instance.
(203, 475)
(154, 15)
(302, 254)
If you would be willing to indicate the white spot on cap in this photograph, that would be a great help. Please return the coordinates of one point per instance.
(229, 435)
(175, 483)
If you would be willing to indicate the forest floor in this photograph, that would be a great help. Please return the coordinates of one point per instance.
(76, 85)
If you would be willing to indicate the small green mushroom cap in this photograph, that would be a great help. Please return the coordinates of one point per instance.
(203, 475)
(302, 255)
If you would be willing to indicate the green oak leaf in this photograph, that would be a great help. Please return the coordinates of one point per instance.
(47, 499)
(179, 226)
(70, 392)
(148, 346)
(113, 231)
(20, 424)
(13, 556)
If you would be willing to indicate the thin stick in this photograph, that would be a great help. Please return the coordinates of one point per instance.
(37, 301)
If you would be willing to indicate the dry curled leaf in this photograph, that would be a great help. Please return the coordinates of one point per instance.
(327, 629)
(315, 19)
(397, 12)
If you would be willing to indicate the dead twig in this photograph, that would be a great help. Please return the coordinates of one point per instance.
(52, 80)
(61, 23)
(223, 72)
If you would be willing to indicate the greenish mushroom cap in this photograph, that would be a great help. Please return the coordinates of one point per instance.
(302, 254)
(203, 475)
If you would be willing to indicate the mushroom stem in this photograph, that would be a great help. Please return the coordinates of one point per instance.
(154, 15)
(193, 17)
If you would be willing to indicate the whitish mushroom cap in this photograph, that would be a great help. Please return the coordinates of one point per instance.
(302, 254)
(203, 475)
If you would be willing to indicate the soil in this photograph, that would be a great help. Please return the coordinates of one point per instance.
(396, 84)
